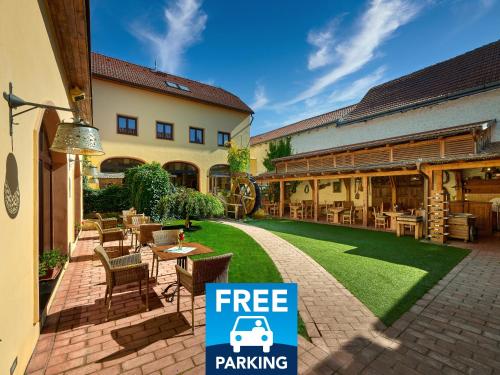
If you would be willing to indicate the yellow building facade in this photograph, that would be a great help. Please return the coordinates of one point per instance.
(149, 110)
(32, 60)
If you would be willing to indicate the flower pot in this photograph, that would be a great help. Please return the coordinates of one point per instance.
(51, 274)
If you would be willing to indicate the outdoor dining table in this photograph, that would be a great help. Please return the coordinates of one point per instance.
(171, 252)
(336, 211)
(294, 210)
(394, 215)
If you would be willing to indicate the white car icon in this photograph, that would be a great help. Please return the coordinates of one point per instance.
(251, 331)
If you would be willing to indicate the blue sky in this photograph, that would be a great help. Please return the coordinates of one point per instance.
(292, 59)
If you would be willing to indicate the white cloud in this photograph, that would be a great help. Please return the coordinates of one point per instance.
(358, 88)
(323, 40)
(377, 24)
(260, 97)
(185, 22)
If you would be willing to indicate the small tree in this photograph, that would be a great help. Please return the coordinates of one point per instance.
(147, 184)
(277, 149)
(238, 158)
(187, 204)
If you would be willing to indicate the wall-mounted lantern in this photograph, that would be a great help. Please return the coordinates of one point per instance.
(76, 137)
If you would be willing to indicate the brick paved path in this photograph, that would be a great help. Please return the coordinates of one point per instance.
(455, 328)
(334, 318)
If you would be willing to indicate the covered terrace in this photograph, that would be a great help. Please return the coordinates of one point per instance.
(373, 183)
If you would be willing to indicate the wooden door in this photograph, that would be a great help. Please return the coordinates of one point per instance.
(44, 194)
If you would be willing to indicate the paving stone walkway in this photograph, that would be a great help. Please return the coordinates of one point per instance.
(334, 318)
(453, 329)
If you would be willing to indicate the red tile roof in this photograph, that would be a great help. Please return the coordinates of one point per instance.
(473, 71)
(303, 125)
(139, 76)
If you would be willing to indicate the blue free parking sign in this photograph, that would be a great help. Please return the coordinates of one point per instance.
(251, 329)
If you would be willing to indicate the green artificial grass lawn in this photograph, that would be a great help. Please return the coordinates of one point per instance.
(388, 274)
(250, 263)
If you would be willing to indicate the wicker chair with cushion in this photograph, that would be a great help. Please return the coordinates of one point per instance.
(207, 270)
(144, 235)
(111, 222)
(109, 235)
(123, 270)
(163, 237)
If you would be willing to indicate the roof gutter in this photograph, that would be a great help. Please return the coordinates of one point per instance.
(448, 97)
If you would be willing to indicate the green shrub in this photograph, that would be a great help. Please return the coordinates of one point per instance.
(147, 184)
(113, 198)
(188, 204)
(238, 158)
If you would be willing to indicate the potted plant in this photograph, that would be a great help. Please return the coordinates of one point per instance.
(50, 264)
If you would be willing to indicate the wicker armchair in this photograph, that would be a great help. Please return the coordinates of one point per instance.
(163, 237)
(109, 235)
(123, 270)
(108, 223)
(129, 221)
(207, 270)
(144, 235)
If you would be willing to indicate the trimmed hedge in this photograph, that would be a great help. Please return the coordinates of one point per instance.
(113, 198)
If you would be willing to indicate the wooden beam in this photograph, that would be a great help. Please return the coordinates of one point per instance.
(365, 200)
(463, 165)
(315, 192)
(347, 175)
(282, 198)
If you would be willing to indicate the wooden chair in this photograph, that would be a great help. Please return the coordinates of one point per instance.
(109, 235)
(108, 223)
(208, 270)
(123, 270)
(330, 215)
(380, 219)
(348, 216)
(163, 237)
(144, 235)
(274, 209)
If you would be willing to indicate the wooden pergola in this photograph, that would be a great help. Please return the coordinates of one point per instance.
(426, 154)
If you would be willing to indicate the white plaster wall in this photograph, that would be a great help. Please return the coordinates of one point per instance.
(475, 108)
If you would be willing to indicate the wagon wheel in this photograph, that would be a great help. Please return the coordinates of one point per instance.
(246, 192)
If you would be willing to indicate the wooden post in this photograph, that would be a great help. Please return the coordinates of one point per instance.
(459, 186)
(438, 180)
(365, 200)
(394, 191)
(427, 189)
(347, 184)
(282, 198)
(315, 192)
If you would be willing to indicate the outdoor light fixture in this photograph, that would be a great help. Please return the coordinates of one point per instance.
(76, 137)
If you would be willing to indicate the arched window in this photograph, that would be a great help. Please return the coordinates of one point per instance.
(119, 165)
(183, 174)
(219, 178)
